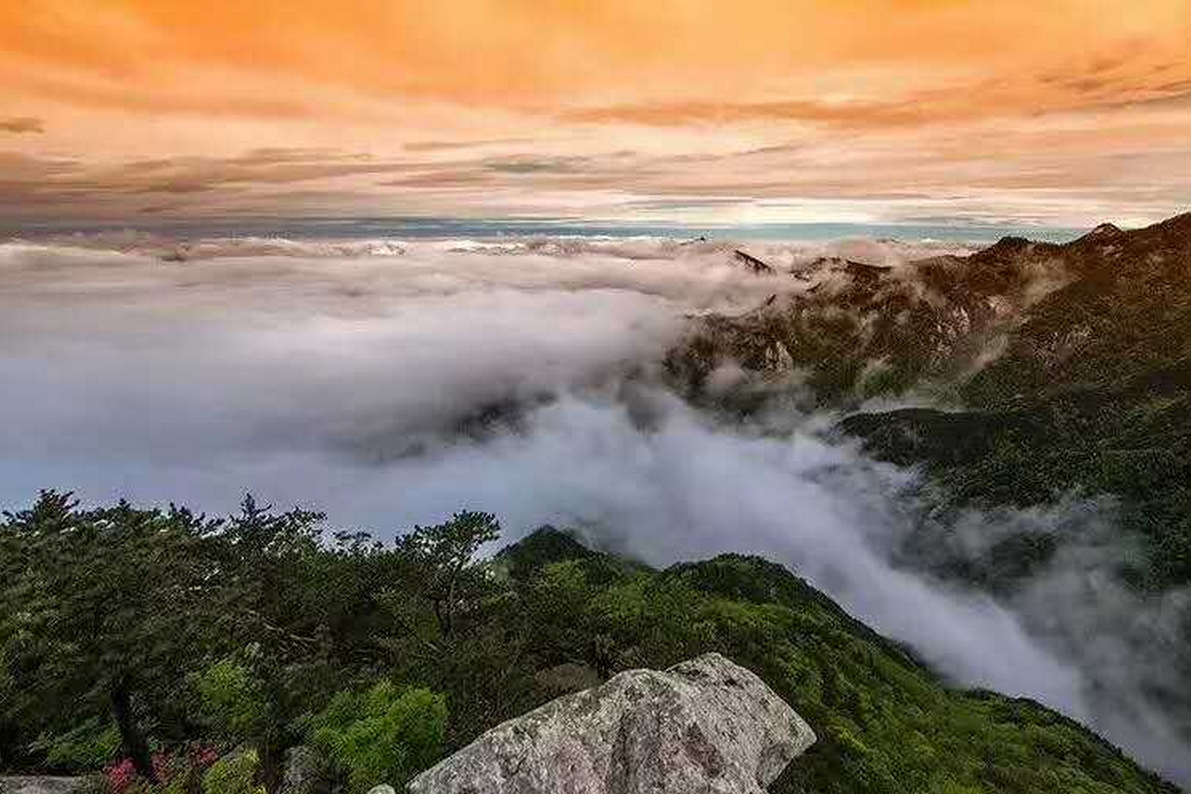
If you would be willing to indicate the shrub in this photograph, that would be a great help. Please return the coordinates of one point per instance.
(182, 771)
(233, 774)
(177, 773)
(381, 735)
(88, 746)
(120, 776)
(231, 698)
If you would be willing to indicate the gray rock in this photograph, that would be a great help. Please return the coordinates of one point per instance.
(778, 358)
(705, 726)
(383, 788)
(305, 772)
(41, 784)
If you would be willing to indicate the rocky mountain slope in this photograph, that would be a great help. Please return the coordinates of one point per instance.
(1036, 376)
(1055, 368)
(883, 721)
(858, 329)
(1091, 392)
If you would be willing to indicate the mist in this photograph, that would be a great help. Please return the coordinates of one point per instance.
(390, 383)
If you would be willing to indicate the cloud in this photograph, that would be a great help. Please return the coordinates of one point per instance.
(850, 114)
(22, 125)
(448, 146)
(1119, 76)
(840, 128)
(538, 165)
(875, 116)
(45, 188)
(1079, 182)
(521, 53)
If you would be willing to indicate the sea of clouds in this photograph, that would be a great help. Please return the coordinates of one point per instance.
(394, 382)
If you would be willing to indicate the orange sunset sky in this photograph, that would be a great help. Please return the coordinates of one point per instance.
(1056, 112)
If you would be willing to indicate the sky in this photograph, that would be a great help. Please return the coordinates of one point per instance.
(1049, 112)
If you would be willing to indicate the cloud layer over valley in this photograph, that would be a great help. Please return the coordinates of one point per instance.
(394, 382)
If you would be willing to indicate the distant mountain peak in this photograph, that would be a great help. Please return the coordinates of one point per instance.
(1105, 230)
(1010, 245)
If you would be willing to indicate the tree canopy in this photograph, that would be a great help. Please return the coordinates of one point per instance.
(139, 638)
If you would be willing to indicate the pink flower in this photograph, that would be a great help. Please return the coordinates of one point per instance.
(163, 766)
(120, 776)
(203, 755)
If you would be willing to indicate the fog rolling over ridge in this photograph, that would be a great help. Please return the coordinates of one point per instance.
(389, 383)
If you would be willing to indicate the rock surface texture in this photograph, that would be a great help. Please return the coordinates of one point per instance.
(41, 784)
(305, 772)
(705, 726)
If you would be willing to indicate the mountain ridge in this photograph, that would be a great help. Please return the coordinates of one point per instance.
(1037, 374)
(832, 668)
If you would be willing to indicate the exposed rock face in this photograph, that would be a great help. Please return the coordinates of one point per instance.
(778, 358)
(937, 321)
(924, 319)
(705, 726)
(752, 263)
(305, 772)
(41, 784)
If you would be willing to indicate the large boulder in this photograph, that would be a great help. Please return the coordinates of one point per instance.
(705, 726)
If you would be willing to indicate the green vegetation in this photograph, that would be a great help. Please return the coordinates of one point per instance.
(235, 773)
(256, 632)
(1091, 394)
(231, 698)
(99, 610)
(381, 734)
(91, 744)
(885, 724)
(1071, 364)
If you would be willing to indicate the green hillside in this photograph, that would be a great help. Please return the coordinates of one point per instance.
(1091, 393)
(127, 631)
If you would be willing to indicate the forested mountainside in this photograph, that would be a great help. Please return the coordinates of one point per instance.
(172, 638)
(1031, 377)
(1035, 370)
